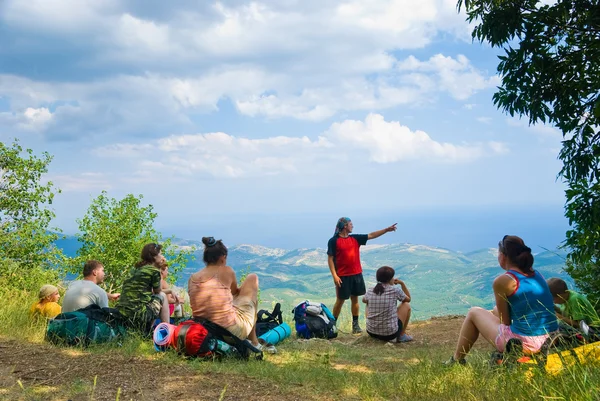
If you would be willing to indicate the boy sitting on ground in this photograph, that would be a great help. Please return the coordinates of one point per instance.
(47, 305)
(573, 307)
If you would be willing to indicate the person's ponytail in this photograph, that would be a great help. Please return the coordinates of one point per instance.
(378, 290)
(517, 253)
(524, 260)
(384, 275)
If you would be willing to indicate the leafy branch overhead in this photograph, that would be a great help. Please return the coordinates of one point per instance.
(114, 232)
(550, 70)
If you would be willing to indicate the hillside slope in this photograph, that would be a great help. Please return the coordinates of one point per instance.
(441, 281)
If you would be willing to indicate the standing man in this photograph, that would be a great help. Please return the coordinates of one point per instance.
(346, 270)
(82, 293)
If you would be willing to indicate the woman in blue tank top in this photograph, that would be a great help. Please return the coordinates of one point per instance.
(524, 306)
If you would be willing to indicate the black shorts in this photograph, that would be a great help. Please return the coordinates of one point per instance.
(389, 337)
(351, 286)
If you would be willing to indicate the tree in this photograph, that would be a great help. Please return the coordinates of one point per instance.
(25, 215)
(114, 233)
(551, 74)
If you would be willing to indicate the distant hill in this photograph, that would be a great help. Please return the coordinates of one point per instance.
(441, 281)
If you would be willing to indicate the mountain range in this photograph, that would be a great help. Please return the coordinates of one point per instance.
(441, 281)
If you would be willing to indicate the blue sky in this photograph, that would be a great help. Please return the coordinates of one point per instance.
(291, 112)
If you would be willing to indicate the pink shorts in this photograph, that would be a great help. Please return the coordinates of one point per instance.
(531, 344)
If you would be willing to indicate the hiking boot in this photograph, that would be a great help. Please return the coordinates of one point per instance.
(356, 328)
(452, 361)
(404, 338)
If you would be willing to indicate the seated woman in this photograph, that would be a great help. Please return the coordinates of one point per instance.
(47, 306)
(524, 306)
(386, 320)
(172, 297)
(215, 295)
(142, 300)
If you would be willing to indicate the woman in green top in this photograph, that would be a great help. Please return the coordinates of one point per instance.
(142, 301)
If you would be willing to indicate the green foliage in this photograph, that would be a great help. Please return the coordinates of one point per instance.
(27, 251)
(115, 231)
(24, 213)
(550, 73)
(14, 308)
(15, 280)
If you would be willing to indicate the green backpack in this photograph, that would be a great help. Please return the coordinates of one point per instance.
(86, 326)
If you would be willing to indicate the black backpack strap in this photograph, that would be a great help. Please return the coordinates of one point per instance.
(260, 317)
(266, 316)
(243, 346)
(114, 316)
(276, 314)
(94, 311)
(181, 337)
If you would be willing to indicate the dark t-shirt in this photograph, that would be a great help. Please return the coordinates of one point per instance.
(345, 252)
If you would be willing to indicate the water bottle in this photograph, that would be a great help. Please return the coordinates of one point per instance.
(225, 349)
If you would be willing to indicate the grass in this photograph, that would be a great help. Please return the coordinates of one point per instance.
(351, 368)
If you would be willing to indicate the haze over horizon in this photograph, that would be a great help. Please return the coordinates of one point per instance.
(461, 230)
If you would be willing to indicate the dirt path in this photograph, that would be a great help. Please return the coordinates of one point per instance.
(43, 369)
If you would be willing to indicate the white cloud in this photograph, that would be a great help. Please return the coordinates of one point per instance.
(306, 60)
(82, 182)
(141, 35)
(223, 155)
(543, 131)
(456, 76)
(225, 30)
(129, 103)
(499, 147)
(389, 142)
(484, 120)
(29, 120)
(58, 16)
(36, 118)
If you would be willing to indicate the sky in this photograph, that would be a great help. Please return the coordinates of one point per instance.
(263, 122)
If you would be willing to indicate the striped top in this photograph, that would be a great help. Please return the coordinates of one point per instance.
(210, 299)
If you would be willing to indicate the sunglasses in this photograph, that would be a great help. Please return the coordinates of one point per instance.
(501, 246)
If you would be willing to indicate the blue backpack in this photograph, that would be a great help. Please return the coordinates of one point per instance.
(314, 319)
(83, 327)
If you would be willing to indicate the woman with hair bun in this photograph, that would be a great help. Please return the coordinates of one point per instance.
(524, 306)
(386, 320)
(215, 295)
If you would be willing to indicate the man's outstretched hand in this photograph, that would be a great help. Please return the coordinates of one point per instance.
(391, 228)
